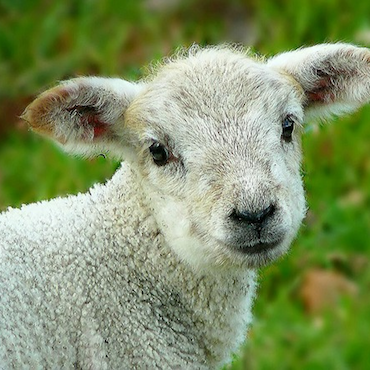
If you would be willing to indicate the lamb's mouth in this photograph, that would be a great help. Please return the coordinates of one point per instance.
(258, 248)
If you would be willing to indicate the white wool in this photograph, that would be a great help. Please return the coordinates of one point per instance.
(87, 279)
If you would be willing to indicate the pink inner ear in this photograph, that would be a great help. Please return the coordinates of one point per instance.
(323, 92)
(89, 116)
(99, 130)
(99, 127)
(316, 96)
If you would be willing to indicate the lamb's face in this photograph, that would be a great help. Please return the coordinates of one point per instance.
(218, 142)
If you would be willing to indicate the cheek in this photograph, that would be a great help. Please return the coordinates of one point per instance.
(165, 196)
(285, 169)
(286, 174)
(168, 180)
(173, 218)
(295, 186)
(179, 226)
(292, 201)
(299, 201)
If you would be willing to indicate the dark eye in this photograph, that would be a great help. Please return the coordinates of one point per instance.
(288, 127)
(159, 153)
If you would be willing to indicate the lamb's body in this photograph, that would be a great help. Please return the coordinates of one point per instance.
(96, 291)
(155, 269)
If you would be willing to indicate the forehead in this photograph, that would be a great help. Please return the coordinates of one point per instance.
(213, 90)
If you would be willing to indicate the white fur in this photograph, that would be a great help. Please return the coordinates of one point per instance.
(156, 268)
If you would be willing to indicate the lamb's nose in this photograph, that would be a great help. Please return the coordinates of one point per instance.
(253, 217)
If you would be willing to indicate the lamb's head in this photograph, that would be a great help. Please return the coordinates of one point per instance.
(221, 156)
(215, 137)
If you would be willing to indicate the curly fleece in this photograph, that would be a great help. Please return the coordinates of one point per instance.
(87, 283)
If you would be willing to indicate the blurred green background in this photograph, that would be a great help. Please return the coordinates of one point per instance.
(313, 307)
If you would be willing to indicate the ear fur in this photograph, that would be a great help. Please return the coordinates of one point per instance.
(85, 115)
(335, 77)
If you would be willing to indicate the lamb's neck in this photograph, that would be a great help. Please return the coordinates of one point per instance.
(219, 307)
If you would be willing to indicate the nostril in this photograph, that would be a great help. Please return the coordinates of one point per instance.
(253, 217)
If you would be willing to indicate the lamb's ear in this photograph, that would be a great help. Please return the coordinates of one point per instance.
(85, 115)
(335, 77)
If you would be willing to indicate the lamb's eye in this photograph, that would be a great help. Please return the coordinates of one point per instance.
(159, 153)
(288, 127)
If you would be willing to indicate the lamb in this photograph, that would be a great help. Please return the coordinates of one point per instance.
(156, 269)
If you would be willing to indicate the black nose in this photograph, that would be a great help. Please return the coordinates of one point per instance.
(253, 217)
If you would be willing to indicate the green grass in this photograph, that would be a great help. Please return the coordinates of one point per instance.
(44, 41)
(42, 171)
